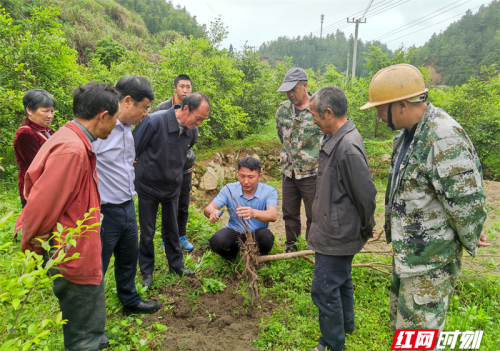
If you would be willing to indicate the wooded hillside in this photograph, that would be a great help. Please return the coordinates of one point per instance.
(464, 47)
(315, 53)
(162, 16)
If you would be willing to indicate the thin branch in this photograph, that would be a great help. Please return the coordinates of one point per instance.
(308, 259)
(376, 237)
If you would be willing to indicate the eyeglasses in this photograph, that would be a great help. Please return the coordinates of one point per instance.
(146, 110)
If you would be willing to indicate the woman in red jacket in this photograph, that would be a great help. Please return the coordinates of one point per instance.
(39, 107)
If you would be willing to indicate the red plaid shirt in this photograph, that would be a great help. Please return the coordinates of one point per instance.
(28, 140)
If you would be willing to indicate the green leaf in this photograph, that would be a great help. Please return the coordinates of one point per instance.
(15, 303)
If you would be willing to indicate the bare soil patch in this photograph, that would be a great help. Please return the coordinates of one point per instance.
(211, 322)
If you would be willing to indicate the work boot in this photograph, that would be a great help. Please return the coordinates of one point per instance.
(290, 249)
(147, 307)
(147, 279)
(104, 342)
(182, 272)
(185, 244)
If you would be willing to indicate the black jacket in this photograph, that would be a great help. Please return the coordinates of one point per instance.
(191, 156)
(344, 203)
(162, 155)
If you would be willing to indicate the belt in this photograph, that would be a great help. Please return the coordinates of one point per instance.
(122, 205)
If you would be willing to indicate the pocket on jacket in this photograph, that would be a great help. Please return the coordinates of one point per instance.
(459, 177)
(173, 155)
(411, 188)
(430, 228)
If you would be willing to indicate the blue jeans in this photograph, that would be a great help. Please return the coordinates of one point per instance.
(84, 307)
(119, 236)
(332, 293)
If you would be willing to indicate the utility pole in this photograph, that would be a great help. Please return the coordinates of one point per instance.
(354, 54)
(347, 70)
(321, 32)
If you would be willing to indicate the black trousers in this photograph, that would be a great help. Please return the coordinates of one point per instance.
(119, 236)
(225, 242)
(147, 220)
(294, 191)
(84, 307)
(184, 197)
(332, 293)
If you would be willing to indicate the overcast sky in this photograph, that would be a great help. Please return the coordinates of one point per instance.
(259, 21)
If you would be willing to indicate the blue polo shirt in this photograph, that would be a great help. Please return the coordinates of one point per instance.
(264, 196)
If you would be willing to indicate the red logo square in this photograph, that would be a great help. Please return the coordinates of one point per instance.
(414, 339)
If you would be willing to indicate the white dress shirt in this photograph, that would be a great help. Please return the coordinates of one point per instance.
(115, 170)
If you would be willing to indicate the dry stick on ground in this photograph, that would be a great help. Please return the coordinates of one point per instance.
(303, 254)
(376, 237)
(249, 257)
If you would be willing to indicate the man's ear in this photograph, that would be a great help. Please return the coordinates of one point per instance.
(329, 113)
(402, 105)
(128, 100)
(305, 85)
(103, 116)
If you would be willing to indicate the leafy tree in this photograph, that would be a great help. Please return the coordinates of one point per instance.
(108, 51)
(34, 55)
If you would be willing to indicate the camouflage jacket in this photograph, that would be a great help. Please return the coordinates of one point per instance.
(436, 205)
(301, 141)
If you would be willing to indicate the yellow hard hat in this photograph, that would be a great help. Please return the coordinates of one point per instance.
(395, 83)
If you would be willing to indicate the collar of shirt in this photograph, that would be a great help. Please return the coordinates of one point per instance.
(36, 127)
(115, 158)
(90, 137)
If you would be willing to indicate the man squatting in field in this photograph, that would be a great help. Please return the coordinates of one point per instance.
(298, 155)
(183, 86)
(259, 207)
(434, 202)
(343, 218)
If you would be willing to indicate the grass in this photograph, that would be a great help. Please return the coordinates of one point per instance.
(293, 324)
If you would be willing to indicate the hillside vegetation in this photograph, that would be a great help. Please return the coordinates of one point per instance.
(316, 53)
(464, 47)
(162, 16)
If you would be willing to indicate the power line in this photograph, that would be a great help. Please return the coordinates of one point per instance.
(216, 15)
(380, 10)
(370, 4)
(353, 15)
(420, 20)
(387, 8)
(434, 24)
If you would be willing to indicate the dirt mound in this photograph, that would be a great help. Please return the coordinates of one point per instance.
(203, 321)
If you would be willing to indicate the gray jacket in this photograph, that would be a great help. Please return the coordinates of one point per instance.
(345, 196)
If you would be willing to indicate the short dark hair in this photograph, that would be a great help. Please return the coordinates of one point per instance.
(330, 97)
(35, 98)
(194, 100)
(136, 86)
(251, 163)
(92, 98)
(182, 77)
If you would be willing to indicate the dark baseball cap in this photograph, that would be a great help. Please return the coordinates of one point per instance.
(293, 76)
